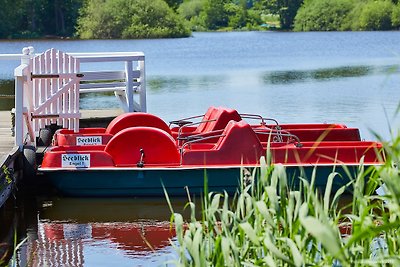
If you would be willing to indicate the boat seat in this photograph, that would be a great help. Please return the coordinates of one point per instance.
(237, 144)
(96, 136)
(135, 119)
(307, 135)
(329, 153)
(215, 119)
(158, 146)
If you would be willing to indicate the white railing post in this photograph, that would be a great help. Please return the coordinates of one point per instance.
(19, 89)
(129, 85)
(142, 81)
(21, 73)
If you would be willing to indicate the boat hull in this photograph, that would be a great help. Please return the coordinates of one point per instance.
(140, 182)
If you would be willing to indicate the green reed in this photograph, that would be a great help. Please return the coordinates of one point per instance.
(269, 224)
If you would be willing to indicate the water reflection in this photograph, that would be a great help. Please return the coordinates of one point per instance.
(8, 223)
(162, 84)
(296, 76)
(6, 94)
(102, 232)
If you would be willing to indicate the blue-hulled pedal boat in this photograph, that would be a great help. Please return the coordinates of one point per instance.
(139, 154)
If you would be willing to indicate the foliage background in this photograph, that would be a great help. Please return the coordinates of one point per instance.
(177, 18)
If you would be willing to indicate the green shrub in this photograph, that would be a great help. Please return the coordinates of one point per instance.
(106, 19)
(376, 15)
(352, 21)
(326, 15)
(322, 15)
(396, 17)
(190, 9)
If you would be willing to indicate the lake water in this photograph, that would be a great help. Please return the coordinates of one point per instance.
(346, 77)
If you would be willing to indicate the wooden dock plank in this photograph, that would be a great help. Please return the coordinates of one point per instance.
(98, 118)
(8, 153)
(6, 139)
(90, 118)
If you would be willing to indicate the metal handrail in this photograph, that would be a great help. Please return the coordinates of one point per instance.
(177, 122)
(279, 132)
(197, 140)
(191, 124)
(259, 117)
(199, 135)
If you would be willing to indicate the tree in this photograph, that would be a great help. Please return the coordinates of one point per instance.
(287, 12)
(215, 15)
(174, 4)
(36, 18)
(286, 9)
(236, 15)
(10, 15)
(396, 16)
(191, 8)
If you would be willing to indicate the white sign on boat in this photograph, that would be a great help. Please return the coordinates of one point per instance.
(75, 160)
(88, 140)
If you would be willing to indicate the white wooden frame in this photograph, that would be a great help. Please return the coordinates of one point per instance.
(40, 101)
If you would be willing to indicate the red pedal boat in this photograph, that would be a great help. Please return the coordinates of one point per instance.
(138, 153)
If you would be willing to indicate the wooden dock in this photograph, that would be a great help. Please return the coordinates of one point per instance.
(90, 118)
(8, 154)
(6, 139)
(10, 170)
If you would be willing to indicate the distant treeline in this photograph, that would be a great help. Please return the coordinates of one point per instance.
(108, 19)
(348, 15)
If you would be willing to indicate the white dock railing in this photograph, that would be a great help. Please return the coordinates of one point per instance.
(48, 85)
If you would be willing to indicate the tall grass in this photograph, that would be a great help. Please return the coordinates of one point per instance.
(267, 224)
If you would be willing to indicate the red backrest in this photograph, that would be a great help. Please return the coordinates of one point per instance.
(240, 142)
(220, 117)
(158, 146)
(209, 115)
(238, 145)
(135, 119)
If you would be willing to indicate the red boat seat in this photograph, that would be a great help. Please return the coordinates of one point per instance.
(214, 119)
(218, 119)
(158, 146)
(64, 137)
(328, 153)
(135, 119)
(308, 135)
(238, 144)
